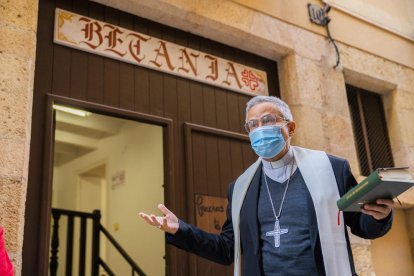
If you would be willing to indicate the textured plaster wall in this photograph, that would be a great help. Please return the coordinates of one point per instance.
(18, 22)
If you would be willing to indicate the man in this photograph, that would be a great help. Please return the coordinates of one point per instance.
(282, 217)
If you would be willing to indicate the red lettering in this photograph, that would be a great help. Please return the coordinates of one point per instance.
(135, 46)
(91, 31)
(113, 39)
(184, 55)
(232, 72)
(162, 52)
(213, 67)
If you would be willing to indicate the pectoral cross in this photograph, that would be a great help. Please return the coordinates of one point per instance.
(276, 233)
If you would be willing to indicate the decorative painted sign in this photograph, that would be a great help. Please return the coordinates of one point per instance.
(117, 179)
(210, 212)
(94, 36)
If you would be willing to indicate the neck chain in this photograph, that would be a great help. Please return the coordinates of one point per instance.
(277, 216)
(277, 231)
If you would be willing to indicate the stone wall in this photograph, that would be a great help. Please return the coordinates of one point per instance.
(18, 23)
(409, 215)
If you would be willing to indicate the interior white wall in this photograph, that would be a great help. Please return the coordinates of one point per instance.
(138, 151)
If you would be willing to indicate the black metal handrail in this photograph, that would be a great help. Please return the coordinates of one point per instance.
(97, 228)
(106, 267)
(122, 251)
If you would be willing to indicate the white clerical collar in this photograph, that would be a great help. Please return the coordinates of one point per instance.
(281, 169)
(278, 164)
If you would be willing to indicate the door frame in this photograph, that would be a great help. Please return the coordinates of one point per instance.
(40, 246)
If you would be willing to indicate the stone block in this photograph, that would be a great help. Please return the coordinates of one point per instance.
(222, 21)
(340, 133)
(399, 117)
(16, 74)
(409, 217)
(406, 118)
(305, 81)
(407, 79)
(20, 13)
(363, 259)
(12, 199)
(334, 92)
(14, 115)
(309, 127)
(340, 138)
(394, 129)
(269, 29)
(308, 44)
(403, 156)
(12, 157)
(369, 66)
(288, 78)
(406, 199)
(302, 81)
(16, 259)
(16, 92)
(368, 82)
(355, 240)
(226, 13)
(404, 99)
(17, 42)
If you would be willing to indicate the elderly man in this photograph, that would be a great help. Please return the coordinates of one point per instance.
(282, 217)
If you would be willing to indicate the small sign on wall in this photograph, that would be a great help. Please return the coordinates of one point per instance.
(210, 212)
(117, 179)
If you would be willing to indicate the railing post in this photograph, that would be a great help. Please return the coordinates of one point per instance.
(82, 246)
(55, 244)
(69, 246)
(96, 225)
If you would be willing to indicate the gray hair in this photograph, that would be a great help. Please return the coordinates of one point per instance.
(281, 105)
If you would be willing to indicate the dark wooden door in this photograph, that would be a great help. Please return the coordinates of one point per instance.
(115, 88)
(214, 159)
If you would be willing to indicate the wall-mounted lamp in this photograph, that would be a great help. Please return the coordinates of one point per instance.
(319, 16)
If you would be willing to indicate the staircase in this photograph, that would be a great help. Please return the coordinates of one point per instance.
(97, 229)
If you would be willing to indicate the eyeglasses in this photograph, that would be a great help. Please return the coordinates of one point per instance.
(265, 120)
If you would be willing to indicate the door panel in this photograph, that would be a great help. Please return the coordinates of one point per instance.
(214, 159)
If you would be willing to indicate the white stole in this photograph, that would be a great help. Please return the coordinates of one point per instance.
(319, 177)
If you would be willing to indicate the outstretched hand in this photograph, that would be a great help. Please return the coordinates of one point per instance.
(380, 209)
(167, 223)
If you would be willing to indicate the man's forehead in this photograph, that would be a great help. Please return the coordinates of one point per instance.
(262, 109)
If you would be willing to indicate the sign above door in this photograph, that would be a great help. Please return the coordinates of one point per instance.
(97, 37)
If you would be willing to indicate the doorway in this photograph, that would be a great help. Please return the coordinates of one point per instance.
(115, 166)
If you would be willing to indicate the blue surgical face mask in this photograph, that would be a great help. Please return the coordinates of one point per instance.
(267, 141)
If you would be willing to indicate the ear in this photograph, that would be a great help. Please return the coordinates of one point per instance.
(291, 127)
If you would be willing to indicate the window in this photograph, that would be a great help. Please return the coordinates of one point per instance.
(370, 129)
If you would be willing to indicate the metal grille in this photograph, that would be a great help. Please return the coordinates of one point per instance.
(370, 130)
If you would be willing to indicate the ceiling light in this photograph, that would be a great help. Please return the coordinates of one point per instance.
(74, 111)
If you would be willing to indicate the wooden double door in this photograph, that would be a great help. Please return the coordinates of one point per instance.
(205, 146)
